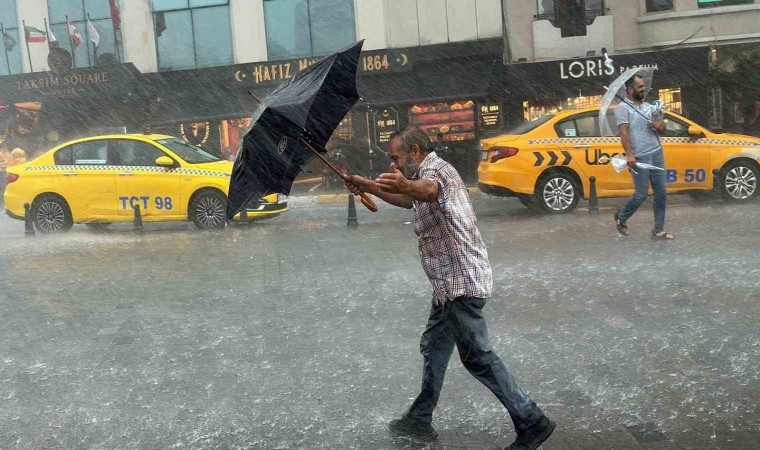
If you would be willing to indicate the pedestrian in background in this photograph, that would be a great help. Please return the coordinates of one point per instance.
(18, 156)
(640, 124)
(5, 157)
(455, 260)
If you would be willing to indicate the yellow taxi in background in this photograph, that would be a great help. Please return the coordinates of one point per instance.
(103, 179)
(547, 163)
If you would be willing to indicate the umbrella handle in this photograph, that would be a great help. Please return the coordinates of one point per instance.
(366, 201)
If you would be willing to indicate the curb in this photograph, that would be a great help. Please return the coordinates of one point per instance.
(309, 201)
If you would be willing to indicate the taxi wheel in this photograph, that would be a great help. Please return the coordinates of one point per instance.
(739, 181)
(556, 193)
(51, 214)
(208, 210)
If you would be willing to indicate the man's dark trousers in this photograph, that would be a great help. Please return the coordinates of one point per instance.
(460, 322)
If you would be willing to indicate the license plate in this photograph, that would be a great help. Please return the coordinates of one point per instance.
(483, 156)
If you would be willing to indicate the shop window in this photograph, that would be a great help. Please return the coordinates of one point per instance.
(571, 16)
(714, 3)
(453, 121)
(659, 5)
(10, 63)
(232, 131)
(672, 99)
(532, 110)
(105, 20)
(343, 132)
(192, 34)
(304, 28)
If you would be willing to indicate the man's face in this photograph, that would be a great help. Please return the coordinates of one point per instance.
(637, 90)
(404, 161)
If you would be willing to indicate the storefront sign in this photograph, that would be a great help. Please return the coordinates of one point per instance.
(52, 85)
(374, 62)
(590, 68)
(489, 114)
(385, 123)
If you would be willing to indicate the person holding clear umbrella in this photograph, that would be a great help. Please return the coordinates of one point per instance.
(640, 125)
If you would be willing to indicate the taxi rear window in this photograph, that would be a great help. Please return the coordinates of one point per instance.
(189, 153)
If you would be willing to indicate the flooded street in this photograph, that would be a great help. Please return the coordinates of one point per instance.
(300, 332)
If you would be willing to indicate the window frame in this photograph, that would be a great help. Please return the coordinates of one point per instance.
(651, 8)
(85, 32)
(190, 10)
(19, 36)
(715, 4)
(310, 31)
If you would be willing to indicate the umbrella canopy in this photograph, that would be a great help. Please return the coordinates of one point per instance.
(308, 108)
(616, 94)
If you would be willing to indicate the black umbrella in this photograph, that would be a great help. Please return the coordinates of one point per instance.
(292, 125)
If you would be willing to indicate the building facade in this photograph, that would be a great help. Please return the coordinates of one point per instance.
(460, 69)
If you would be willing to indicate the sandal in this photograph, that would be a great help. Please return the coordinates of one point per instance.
(662, 236)
(622, 228)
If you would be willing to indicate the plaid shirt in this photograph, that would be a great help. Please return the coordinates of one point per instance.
(452, 252)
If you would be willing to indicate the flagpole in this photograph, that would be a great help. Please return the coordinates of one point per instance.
(71, 43)
(47, 30)
(28, 53)
(94, 45)
(116, 44)
(115, 41)
(7, 61)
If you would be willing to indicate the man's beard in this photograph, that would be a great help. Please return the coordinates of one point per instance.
(410, 170)
(638, 96)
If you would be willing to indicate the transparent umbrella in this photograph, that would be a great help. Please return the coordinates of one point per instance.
(616, 94)
(619, 163)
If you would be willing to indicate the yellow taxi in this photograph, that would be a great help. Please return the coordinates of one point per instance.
(548, 163)
(104, 179)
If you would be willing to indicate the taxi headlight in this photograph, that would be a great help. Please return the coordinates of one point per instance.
(281, 198)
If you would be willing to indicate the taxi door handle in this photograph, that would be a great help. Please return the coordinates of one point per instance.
(69, 174)
(125, 174)
(581, 146)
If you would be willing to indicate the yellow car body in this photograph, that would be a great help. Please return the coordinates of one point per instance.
(548, 163)
(103, 179)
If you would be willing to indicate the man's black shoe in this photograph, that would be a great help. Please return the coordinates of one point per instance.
(406, 426)
(533, 437)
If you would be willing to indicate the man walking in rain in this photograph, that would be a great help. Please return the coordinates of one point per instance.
(456, 262)
(639, 124)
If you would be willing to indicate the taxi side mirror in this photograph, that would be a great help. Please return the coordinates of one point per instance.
(164, 161)
(694, 132)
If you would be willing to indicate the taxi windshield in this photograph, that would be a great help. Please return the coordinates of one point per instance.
(527, 127)
(190, 154)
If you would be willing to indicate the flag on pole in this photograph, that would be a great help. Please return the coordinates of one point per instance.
(115, 15)
(34, 35)
(8, 41)
(52, 41)
(76, 38)
(93, 32)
